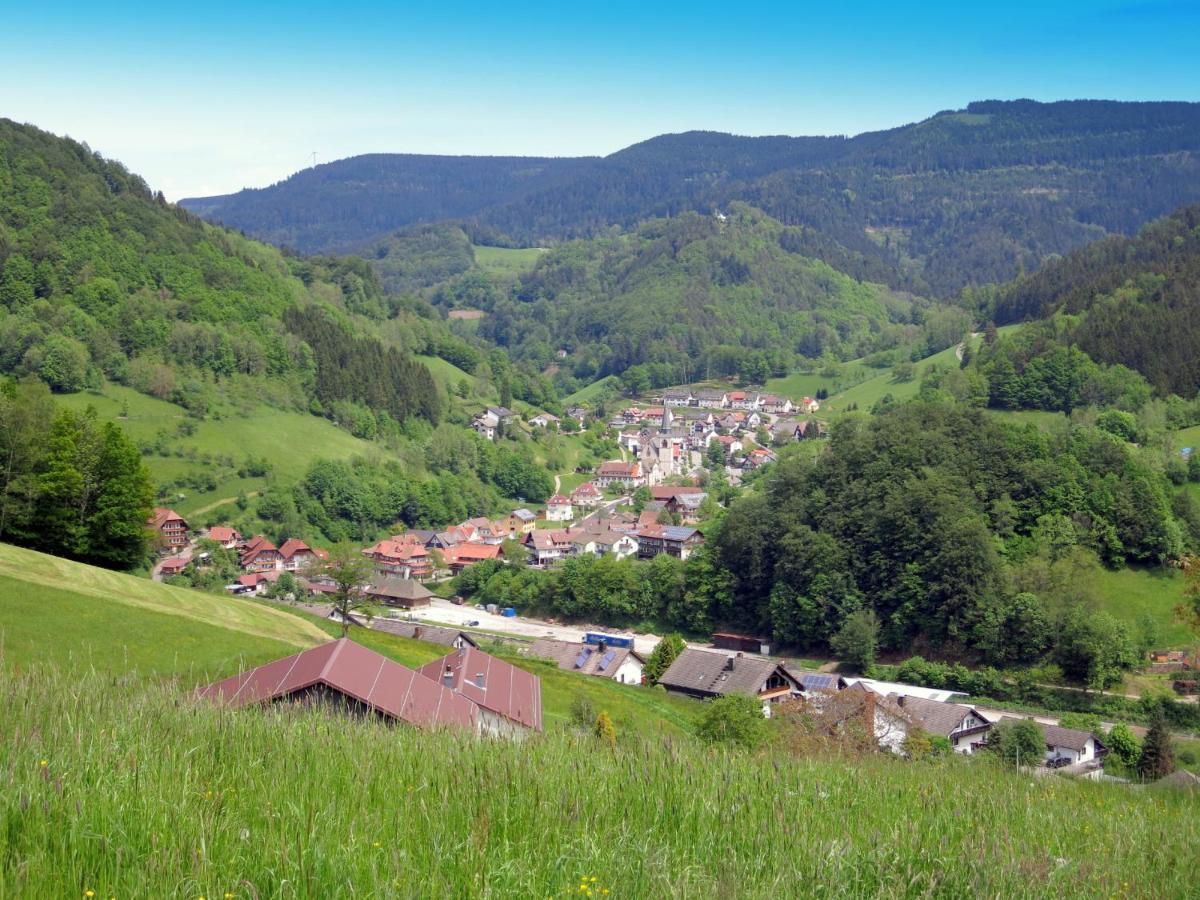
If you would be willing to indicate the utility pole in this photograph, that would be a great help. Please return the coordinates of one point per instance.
(314, 159)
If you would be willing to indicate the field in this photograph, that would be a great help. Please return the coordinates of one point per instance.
(81, 617)
(591, 392)
(1133, 592)
(290, 441)
(506, 262)
(127, 789)
(869, 392)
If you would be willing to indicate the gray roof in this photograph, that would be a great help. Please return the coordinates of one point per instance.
(934, 716)
(524, 514)
(400, 589)
(585, 658)
(432, 634)
(1057, 736)
(700, 671)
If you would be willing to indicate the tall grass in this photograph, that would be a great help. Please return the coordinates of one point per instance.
(132, 789)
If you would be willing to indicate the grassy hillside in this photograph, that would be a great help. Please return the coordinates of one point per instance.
(289, 441)
(82, 617)
(507, 262)
(129, 790)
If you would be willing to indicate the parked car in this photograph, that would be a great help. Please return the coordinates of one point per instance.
(457, 600)
(1058, 762)
(474, 623)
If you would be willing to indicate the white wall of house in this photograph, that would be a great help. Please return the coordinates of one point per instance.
(495, 725)
(630, 671)
(559, 513)
(1088, 752)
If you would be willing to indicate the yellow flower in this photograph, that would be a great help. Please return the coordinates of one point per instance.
(377, 843)
(89, 893)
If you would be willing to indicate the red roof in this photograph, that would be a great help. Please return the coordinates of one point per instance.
(223, 534)
(506, 690)
(258, 542)
(471, 552)
(352, 670)
(162, 516)
(558, 500)
(617, 467)
(292, 546)
(394, 549)
(174, 562)
(669, 491)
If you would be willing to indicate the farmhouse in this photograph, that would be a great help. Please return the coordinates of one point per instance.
(169, 527)
(549, 545)
(509, 699)
(545, 420)
(172, 566)
(295, 555)
(260, 555)
(703, 674)
(352, 678)
(468, 553)
(621, 664)
(402, 592)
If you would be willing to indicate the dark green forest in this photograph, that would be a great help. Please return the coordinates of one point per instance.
(966, 197)
(1137, 300)
(101, 279)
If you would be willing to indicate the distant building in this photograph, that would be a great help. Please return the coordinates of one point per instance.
(621, 664)
(169, 527)
(587, 494)
(558, 509)
(227, 537)
(626, 474)
(703, 674)
(676, 540)
(400, 592)
(509, 699)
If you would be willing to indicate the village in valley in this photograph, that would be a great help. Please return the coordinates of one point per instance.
(652, 500)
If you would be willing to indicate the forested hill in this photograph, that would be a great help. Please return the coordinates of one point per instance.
(965, 197)
(100, 278)
(1139, 298)
(696, 296)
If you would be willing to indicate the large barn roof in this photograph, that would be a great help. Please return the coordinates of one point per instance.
(353, 670)
(492, 683)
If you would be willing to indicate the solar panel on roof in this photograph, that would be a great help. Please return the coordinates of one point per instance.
(817, 681)
(582, 658)
(605, 660)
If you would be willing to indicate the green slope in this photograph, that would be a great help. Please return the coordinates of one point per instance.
(77, 615)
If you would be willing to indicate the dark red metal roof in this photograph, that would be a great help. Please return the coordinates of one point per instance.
(507, 690)
(353, 670)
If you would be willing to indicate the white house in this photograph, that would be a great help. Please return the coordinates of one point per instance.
(558, 509)
(1074, 746)
(587, 494)
(883, 688)
(964, 726)
(621, 664)
(544, 420)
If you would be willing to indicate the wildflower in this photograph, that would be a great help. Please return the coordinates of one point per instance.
(89, 893)
(43, 763)
(376, 843)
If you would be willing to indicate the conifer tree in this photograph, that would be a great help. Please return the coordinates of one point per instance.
(1157, 758)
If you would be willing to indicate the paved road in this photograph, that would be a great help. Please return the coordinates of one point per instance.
(443, 612)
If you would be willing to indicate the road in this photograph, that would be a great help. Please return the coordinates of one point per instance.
(443, 612)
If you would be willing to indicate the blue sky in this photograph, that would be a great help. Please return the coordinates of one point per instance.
(212, 99)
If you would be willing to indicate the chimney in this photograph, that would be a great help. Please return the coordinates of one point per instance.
(601, 647)
(729, 664)
(448, 677)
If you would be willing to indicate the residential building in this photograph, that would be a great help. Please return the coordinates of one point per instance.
(509, 699)
(676, 540)
(621, 664)
(170, 528)
(703, 674)
(468, 553)
(296, 556)
(171, 566)
(598, 543)
(404, 593)
(430, 634)
(260, 555)
(964, 726)
(545, 420)
(578, 413)
(547, 546)
(487, 424)
(587, 495)
(522, 521)
(883, 688)
(712, 399)
(677, 398)
(1071, 745)
(348, 676)
(558, 509)
(228, 538)
(403, 555)
(616, 471)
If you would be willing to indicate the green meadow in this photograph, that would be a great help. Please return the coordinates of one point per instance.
(506, 262)
(123, 788)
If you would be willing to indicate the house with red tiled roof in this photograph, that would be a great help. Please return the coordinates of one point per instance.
(509, 699)
(260, 555)
(169, 527)
(347, 676)
(227, 537)
(401, 555)
(548, 545)
(616, 471)
(468, 553)
(172, 566)
(295, 555)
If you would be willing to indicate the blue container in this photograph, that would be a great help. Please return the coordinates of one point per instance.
(508, 611)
